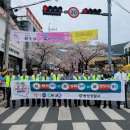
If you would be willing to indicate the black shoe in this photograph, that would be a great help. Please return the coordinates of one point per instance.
(47, 105)
(59, 105)
(7, 106)
(38, 105)
(88, 104)
(21, 105)
(85, 105)
(95, 105)
(33, 105)
(110, 107)
(27, 105)
(118, 107)
(13, 107)
(53, 105)
(76, 105)
(43, 105)
(65, 105)
(104, 106)
(70, 105)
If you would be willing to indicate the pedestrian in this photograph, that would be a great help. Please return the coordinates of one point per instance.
(121, 76)
(96, 76)
(44, 77)
(76, 77)
(86, 77)
(67, 76)
(35, 77)
(107, 76)
(24, 77)
(8, 80)
(56, 77)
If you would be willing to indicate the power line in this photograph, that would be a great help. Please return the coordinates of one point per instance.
(122, 7)
(36, 3)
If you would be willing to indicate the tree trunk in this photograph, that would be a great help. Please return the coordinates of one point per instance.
(86, 65)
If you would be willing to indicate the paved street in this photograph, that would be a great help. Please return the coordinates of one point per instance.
(61, 118)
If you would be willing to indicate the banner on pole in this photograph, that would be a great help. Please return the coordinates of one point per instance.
(52, 37)
(84, 90)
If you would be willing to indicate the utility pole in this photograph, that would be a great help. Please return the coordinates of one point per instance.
(6, 42)
(109, 33)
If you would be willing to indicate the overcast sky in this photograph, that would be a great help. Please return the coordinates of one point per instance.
(120, 18)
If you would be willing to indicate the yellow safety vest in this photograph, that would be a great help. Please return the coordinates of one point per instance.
(56, 78)
(86, 78)
(35, 78)
(43, 78)
(129, 76)
(26, 77)
(95, 77)
(76, 78)
(8, 80)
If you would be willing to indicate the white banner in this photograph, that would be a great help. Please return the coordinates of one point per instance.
(89, 90)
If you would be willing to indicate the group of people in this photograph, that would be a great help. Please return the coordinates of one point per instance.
(66, 75)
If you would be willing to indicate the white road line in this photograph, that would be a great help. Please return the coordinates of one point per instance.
(127, 110)
(40, 115)
(18, 127)
(111, 126)
(80, 126)
(64, 113)
(113, 114)
(13, 118)
(88, 113)
(2, 110)
(49, 126)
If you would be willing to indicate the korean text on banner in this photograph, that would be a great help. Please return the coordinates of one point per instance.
(92, 90)
(82, 36)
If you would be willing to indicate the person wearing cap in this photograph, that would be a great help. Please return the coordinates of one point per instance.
(8, 80)
(67, 76)
(86, 77)
(96, 76)
(24, 77)
(56, 77)
(76, 77)
(44, 77)
(35, 77)
(121, 76)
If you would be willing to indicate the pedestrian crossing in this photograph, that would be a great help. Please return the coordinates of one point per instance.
(65, 114)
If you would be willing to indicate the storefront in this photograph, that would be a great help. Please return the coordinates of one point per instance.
(16, 57)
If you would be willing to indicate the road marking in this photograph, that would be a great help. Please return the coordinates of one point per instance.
(13, 118)
(2, 110)
(18, 127)
(111, 126)
(40, 115)
(80, 126)
(112, 114)
(88, 113)
(64, 113)
(127, 110)
(49, 126)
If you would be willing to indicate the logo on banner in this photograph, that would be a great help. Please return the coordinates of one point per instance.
(65, 86)
(52, 86)
(36, 86)
(21, 89)
(114, 87)
(94, 87)
(81, 86)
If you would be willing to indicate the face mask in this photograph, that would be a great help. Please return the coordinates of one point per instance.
(67, 73)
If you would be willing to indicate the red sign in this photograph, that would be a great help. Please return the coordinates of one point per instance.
(73, 12)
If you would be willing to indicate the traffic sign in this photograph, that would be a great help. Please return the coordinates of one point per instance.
(73, 12)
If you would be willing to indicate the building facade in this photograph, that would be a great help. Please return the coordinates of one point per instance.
(16, 53)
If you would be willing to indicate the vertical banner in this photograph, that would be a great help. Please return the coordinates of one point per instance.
(84, 90)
